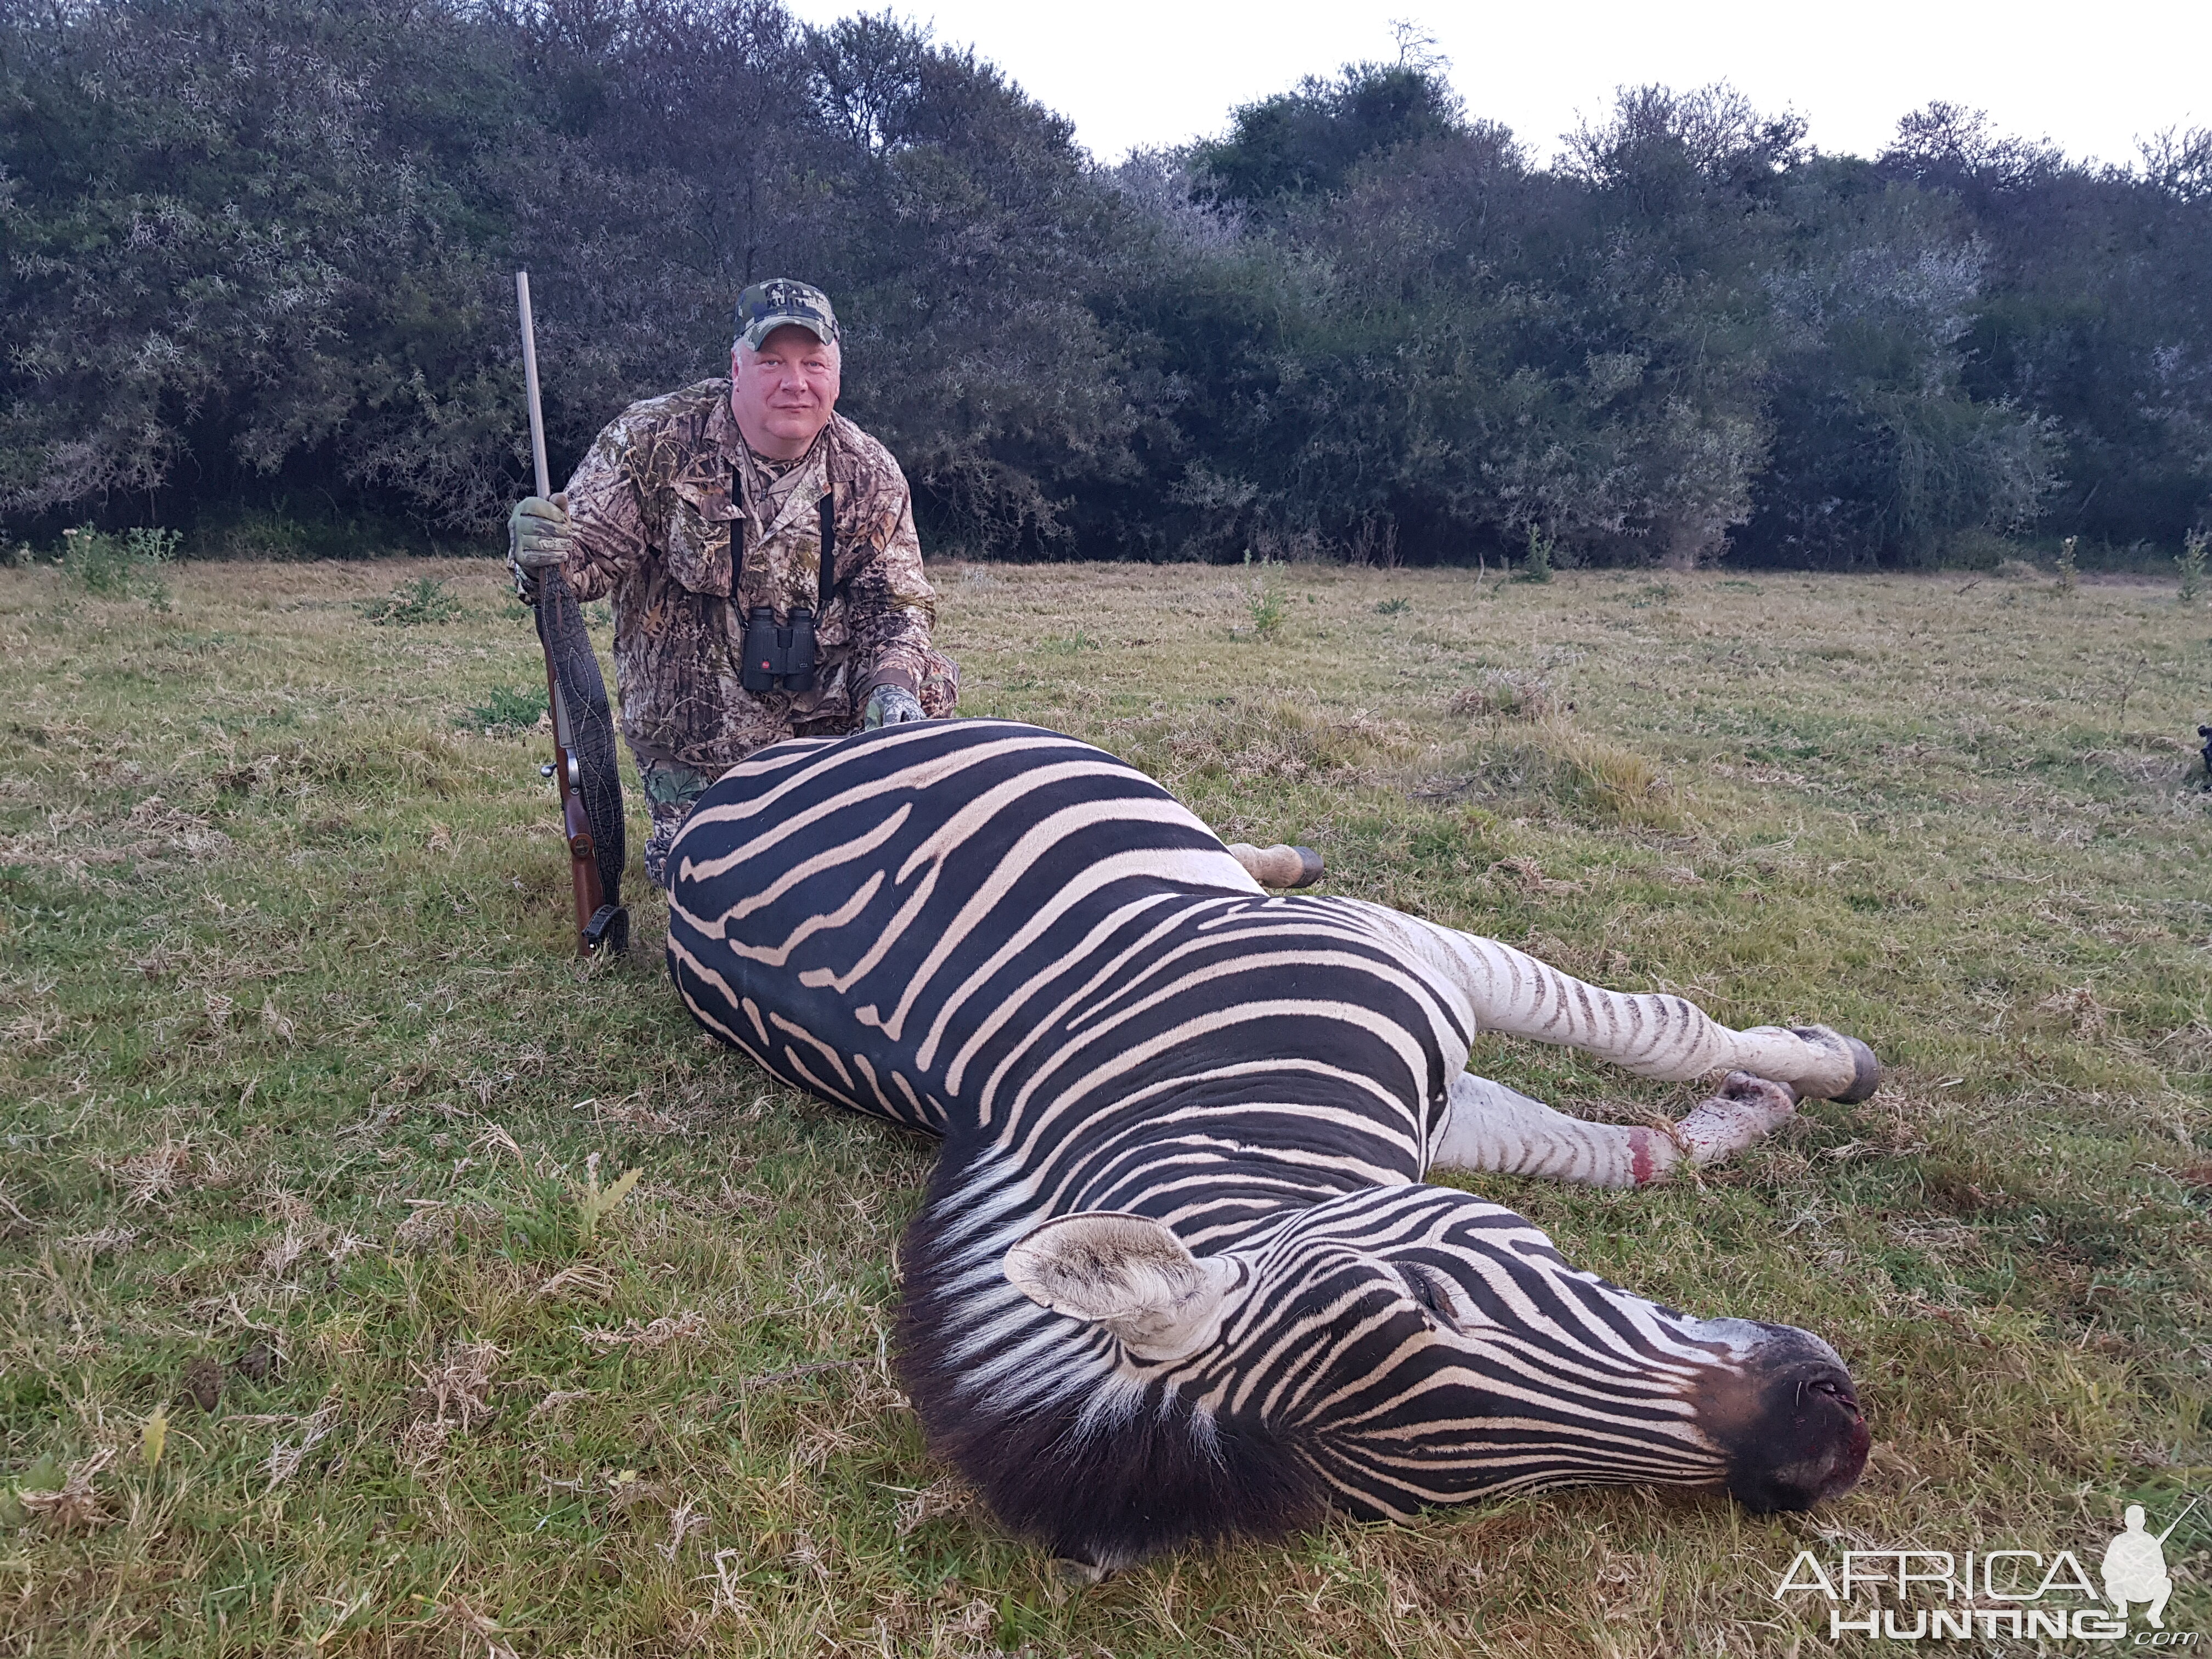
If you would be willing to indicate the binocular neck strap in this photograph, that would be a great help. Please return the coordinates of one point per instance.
(829, 507)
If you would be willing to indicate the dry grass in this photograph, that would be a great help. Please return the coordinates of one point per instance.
(306, 1106)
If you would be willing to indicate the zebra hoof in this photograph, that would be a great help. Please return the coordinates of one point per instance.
(1278, 867)
(1866, 1073)
(1866, 1070)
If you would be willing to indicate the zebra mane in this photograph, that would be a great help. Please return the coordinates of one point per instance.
(1071, 1450)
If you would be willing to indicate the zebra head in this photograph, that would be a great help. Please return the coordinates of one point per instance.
(1378, 1353)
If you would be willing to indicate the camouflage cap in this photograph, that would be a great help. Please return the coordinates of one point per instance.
(767, 306)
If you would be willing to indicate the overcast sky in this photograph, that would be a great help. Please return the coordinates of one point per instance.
(2090, 76)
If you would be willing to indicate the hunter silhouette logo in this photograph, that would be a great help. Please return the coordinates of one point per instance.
(2134, 1567)
(1918, 1595)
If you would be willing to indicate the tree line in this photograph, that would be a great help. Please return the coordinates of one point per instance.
(256, 258)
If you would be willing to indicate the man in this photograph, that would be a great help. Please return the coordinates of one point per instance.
(2134, 1569)
(648, 517)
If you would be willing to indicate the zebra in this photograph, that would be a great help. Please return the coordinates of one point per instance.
(1178, 1278)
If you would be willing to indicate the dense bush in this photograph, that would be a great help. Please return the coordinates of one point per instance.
(258, 252)
(257, 260)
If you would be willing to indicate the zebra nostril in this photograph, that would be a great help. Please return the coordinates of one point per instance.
(1793, 1425)
(1838, 1389)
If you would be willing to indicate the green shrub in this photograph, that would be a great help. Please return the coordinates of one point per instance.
(1976, 549)
(422, 600)
(1264, 600)
(1067, 645)
(127, 566)
(1539, 567)
(302, 526)
(2192, 564)
(1504, 696)
(507, 710)
(257, 534)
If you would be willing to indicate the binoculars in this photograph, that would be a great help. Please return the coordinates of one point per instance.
(778, 658)
(782, 658)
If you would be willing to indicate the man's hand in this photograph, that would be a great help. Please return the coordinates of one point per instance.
(538, 538)
(890, 705)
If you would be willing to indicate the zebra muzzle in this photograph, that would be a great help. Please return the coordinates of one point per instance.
(1789, 1419)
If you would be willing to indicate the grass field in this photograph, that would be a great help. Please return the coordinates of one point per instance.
(305, 1103)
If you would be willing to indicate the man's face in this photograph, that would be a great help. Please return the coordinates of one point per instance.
(783, 393)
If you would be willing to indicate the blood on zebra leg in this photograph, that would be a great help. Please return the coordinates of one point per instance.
(1491, 1128)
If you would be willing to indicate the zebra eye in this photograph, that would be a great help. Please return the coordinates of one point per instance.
(1429, 1293)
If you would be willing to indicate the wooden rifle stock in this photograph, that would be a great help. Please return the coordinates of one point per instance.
(601, 922)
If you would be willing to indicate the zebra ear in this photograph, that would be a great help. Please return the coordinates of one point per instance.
(1129, 1274)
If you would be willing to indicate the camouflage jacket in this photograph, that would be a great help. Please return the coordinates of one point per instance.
(652, 506)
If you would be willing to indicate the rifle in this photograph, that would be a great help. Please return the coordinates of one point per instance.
(2178, 1520)
(584, 767)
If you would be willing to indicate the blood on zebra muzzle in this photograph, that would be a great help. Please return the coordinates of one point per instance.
(1181, 1277)
(1792, 1424)
(1785, 1412)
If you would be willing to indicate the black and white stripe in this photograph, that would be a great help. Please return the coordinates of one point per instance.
(1178, 1277)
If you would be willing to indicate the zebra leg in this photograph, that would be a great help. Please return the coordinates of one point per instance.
(1652, 1034)
(1278, 867)
(1490, 1126)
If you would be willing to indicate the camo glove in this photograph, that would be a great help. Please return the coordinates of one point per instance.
(538, 538)
(890, 705)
